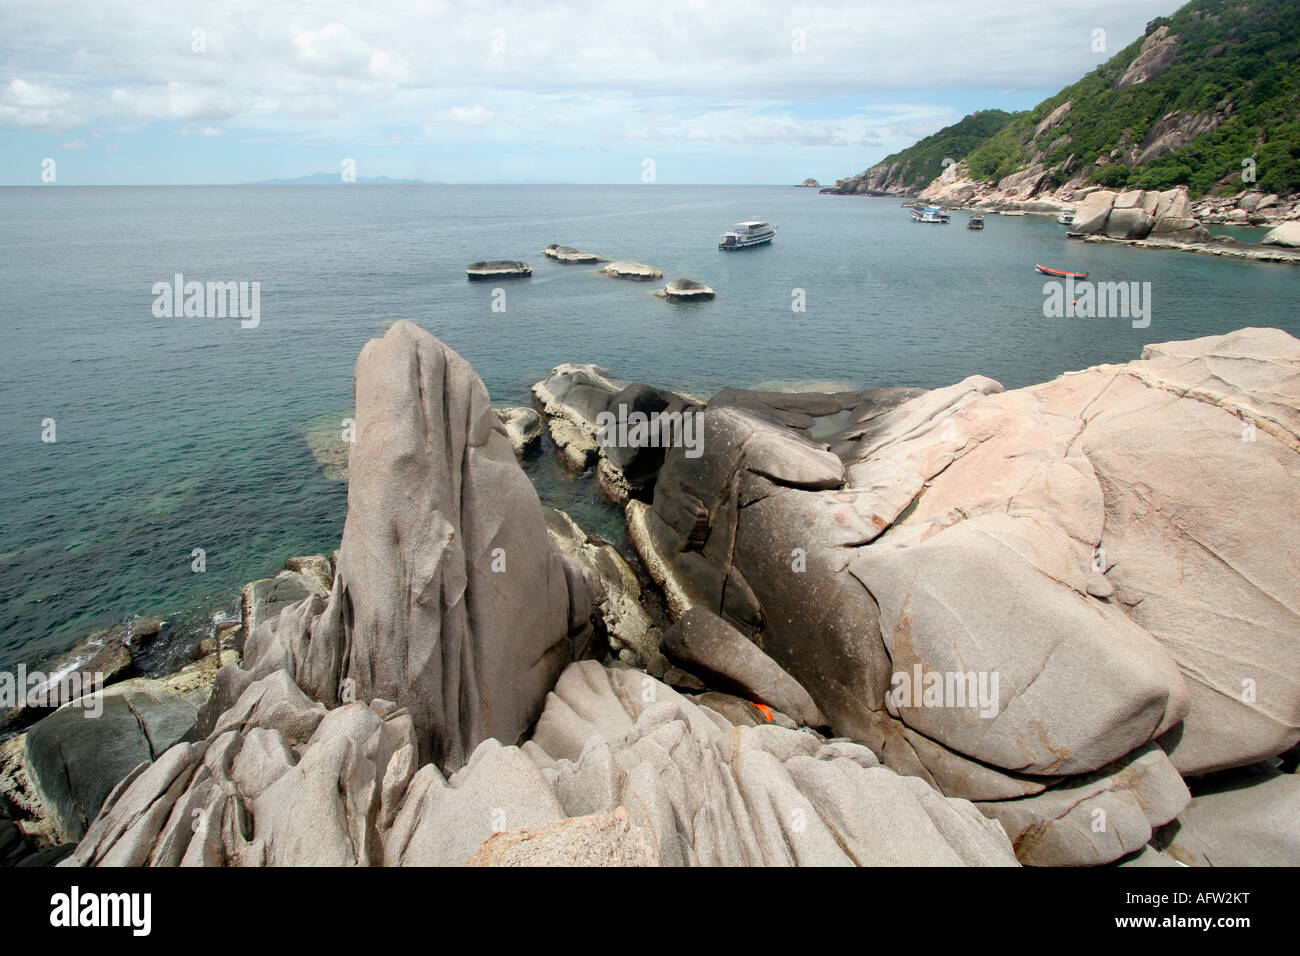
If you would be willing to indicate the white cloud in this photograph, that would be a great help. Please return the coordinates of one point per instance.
(682, 73)
(465, 116)
(73, 145)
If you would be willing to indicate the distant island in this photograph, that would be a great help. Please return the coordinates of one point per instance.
(335, 179)
(810, 183)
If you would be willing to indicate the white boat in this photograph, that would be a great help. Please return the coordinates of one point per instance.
(1066, 218)
(755, 232)
(932, 214)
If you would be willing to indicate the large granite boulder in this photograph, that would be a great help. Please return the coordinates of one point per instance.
(599, 839)
(1073, 564)
(444, 556)
(1249, 818)
(1284, 234)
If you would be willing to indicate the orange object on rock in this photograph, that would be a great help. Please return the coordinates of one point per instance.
(763, 709)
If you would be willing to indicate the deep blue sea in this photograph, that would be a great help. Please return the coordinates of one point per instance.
(181, 433)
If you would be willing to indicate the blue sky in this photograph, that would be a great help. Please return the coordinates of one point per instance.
(712, 91)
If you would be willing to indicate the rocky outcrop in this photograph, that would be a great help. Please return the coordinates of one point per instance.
(883, 179)
(1159, 50)
(575, 397)
(1137, 214)
(1248, 208)
(599, 839)
(523, 427)
(74, 762)
(810, 183)
(282, 781)
(626, 269)
(570, 256)
(497, 269)
(685, 290)
(1028, 535)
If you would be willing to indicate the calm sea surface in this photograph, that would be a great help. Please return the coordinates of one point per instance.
(176, 434)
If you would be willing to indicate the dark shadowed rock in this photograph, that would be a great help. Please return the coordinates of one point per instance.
(575, 397)
(686, 290)
(707, 646)
(76, 758)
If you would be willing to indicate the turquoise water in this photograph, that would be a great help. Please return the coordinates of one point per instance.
(175, 434)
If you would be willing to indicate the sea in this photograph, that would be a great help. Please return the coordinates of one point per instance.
(132, 443)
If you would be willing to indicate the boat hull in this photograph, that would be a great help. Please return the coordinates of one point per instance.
(1061, 273)
(746, 243)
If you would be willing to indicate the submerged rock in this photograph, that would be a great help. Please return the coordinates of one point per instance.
(570, 256)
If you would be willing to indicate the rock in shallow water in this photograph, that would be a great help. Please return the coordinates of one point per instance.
(686, 290)
(498, 269)
(626, 269)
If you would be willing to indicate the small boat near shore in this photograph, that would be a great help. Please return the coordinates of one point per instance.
(1066, 218)
(1060, 273)
(975, 222)
(755, 232)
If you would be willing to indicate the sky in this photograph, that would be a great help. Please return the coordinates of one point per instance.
(174, 92)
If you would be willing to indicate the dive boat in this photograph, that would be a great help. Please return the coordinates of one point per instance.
(1061, 273)
(976, 222)
(931, 214)
(1066, 218)
(755, 232)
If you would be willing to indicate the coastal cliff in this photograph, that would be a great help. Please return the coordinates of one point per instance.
(1203, 102)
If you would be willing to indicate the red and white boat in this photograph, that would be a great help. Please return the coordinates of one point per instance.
(1061, 273)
